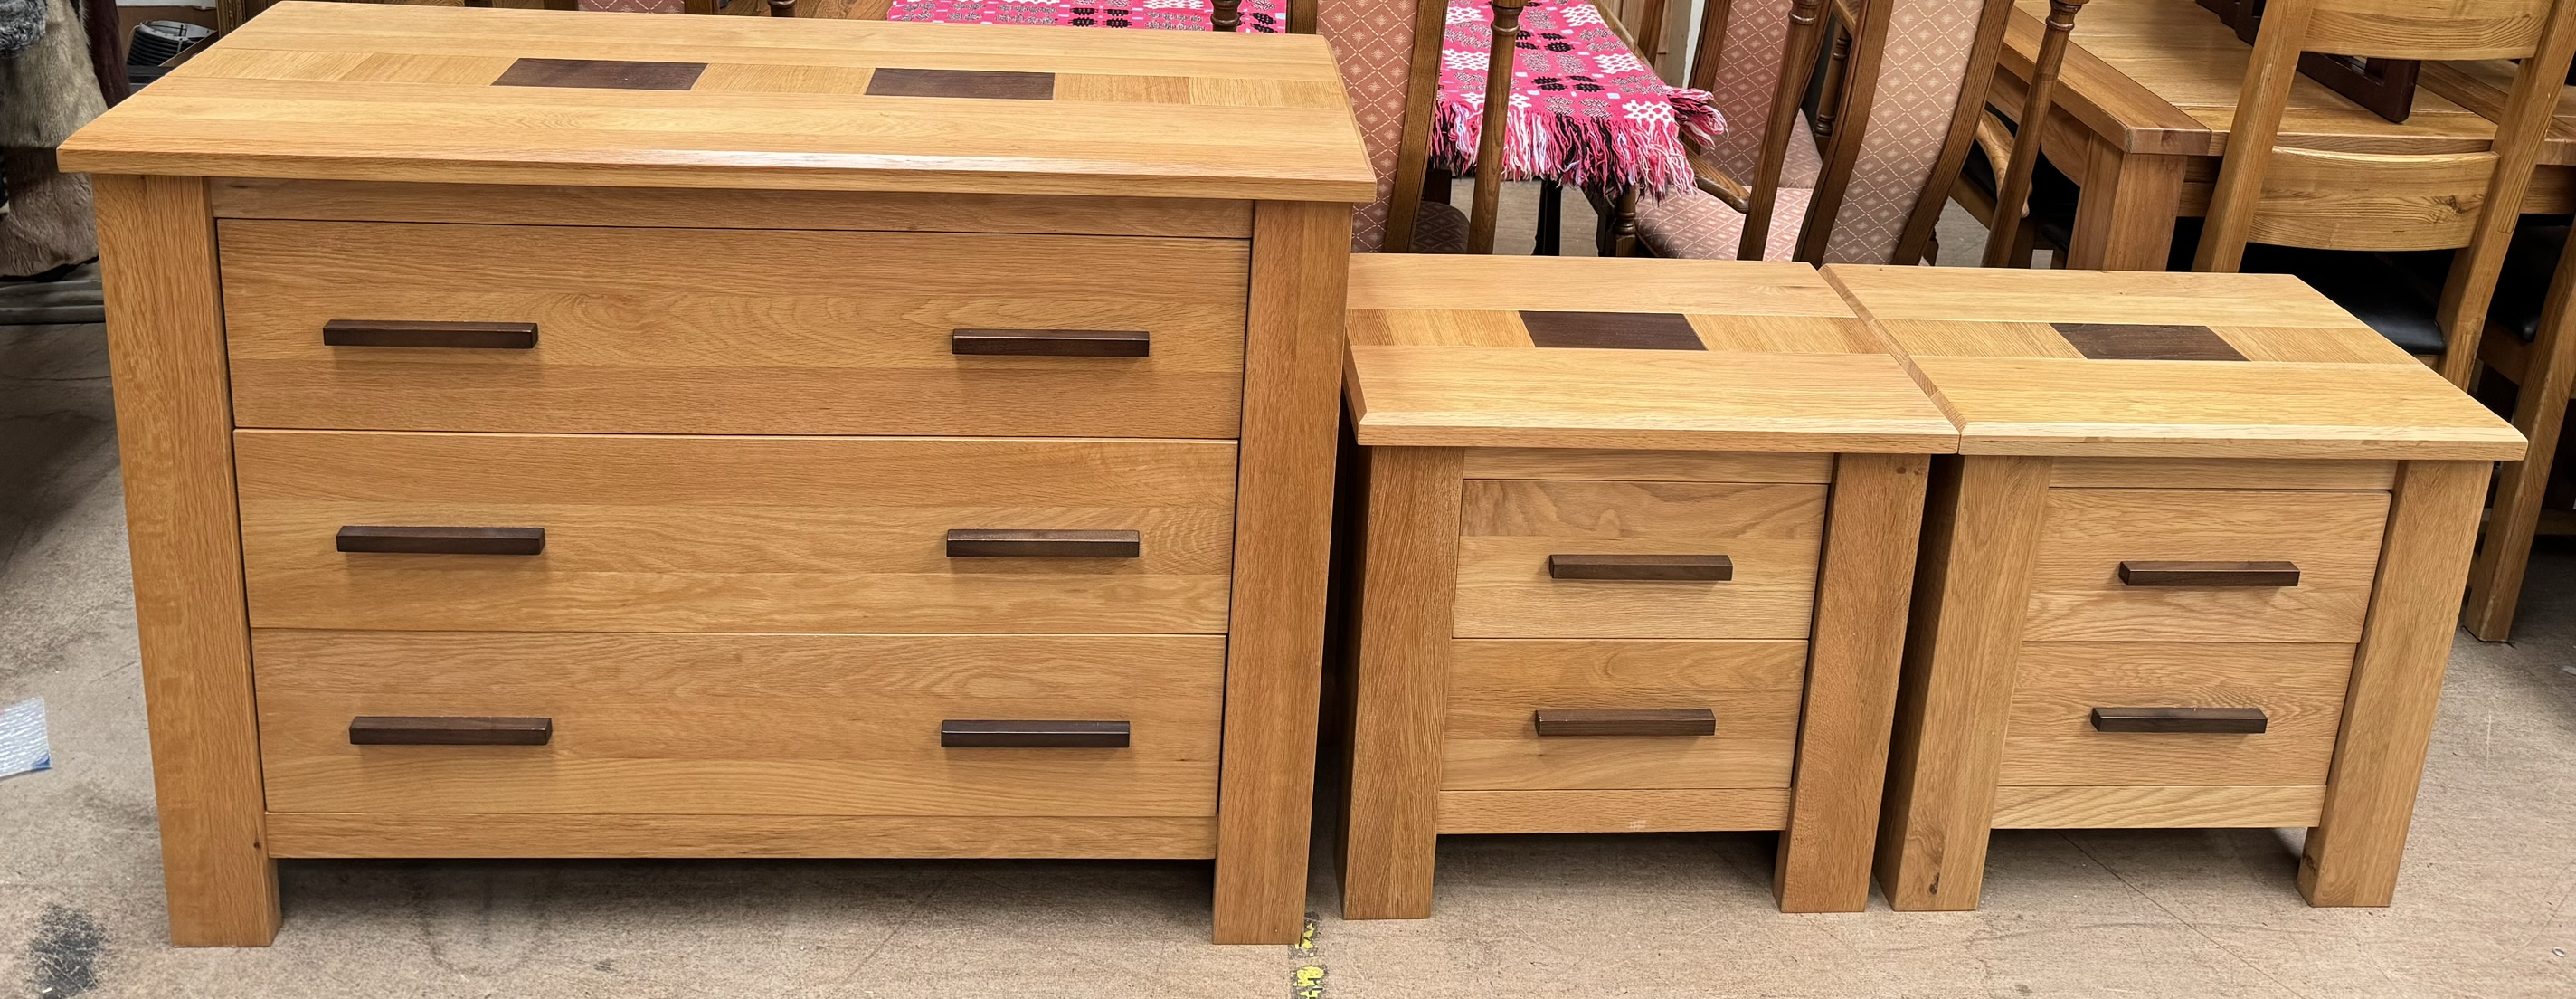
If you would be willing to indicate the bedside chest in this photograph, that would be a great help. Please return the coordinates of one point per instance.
(575, 435)
(2198, 563)
(1639, 537)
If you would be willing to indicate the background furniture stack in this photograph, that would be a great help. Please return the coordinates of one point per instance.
(1638, 541)
(494, 485)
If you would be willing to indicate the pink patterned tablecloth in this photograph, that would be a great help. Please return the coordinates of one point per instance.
(1585, 111)
(1265, 16)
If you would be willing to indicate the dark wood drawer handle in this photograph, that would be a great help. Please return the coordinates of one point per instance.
(1556, 723)
(396, 730)
(955, 734)
(1651, 568)
(1044, 544)
(1052, 343)
(2237, 721)
(443, 540)
(2209, 573)
(415, 333)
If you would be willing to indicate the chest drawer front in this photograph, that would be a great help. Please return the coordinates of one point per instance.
(1750, 690)
(740, 724)
(2330, 538)
(736, 331)
(719, 534)
(2053, 739)
(1510, 530)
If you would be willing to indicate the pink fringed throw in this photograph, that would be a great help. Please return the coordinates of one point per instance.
(1262, 16)
(1585, 110)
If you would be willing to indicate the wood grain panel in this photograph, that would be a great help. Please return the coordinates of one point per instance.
(739, 724)
(634, 340)
(2333, 537)
(874, 211)
(1611, 330)
(1282, 555)
(292, 95)
(735, 534)
(2147, 807)
(1667, 810)
(976, 84)
(1647, 466)
(1495, 687)
(2220, 473)
(1400, 682)
(165, 346)
(601, 74)
(342, 835)
(1772, 532)
(2051, 741)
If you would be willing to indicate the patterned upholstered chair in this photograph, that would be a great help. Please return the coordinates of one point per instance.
(1390, 58)
(1256, 16)
(1891, 130)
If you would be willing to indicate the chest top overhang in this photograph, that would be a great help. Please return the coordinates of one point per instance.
(1452, 351)
(2172, 365)
(342, 91)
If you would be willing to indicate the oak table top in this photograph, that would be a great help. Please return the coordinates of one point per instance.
(2163, 75)
(370, 92)
(2164, 365)
(1623, 353)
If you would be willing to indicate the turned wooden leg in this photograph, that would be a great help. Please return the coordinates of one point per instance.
(1227, 16)
(1401, 682)
(782, 8)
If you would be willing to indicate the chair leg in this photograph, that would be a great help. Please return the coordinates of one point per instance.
(2539, 411)
(1551, 218)
(2025, 245)
(1621, 237)
(1227, 16)
(782, 8)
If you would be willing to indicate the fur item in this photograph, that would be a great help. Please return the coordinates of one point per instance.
(21, 23)
(46, 93)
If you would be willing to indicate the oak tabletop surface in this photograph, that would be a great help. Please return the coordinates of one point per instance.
(2164, 75)
(382, 92)
(2149, 364)
(1477, 351)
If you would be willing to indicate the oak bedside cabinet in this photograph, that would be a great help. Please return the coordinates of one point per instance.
(1639, 535)
(597, 435)
(2197, 564)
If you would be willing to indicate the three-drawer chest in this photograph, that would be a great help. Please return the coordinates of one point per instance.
(591, 435)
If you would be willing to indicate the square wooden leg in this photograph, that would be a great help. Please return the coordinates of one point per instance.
(174, 421)
(1408, 586)
(2352, 854)
(1981, 535)
(1871, 535)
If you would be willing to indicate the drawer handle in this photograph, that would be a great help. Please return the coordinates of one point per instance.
(443, 540)
(422, 333)
(1554, 723)
(1044, 544)
(2235, 721)
(1052, 343)
(2209, 573)
(383, 730)
(1655, 568)
(955, 734)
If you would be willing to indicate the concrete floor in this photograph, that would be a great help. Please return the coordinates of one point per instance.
(2484, 909)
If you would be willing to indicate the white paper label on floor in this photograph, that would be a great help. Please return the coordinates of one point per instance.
(22, 738)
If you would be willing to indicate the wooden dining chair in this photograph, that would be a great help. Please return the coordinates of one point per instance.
(2328, 200)
(1894, 97)
(2005, 156)
(1419, 217)
(2288, 209)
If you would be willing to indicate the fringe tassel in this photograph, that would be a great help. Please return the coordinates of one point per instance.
(1583, 151)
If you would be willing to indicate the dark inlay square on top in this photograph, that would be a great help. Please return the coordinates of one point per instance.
(988, 84)
(601, 74)
(2147, 342)
(1612, 330)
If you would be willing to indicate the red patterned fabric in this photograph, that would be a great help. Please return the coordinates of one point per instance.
(1585, 110)
(1265, 16)
(636, 6)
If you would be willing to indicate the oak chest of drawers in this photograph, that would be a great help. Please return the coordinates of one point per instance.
(1639, 536)
(2198, 563)
(553, 434)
